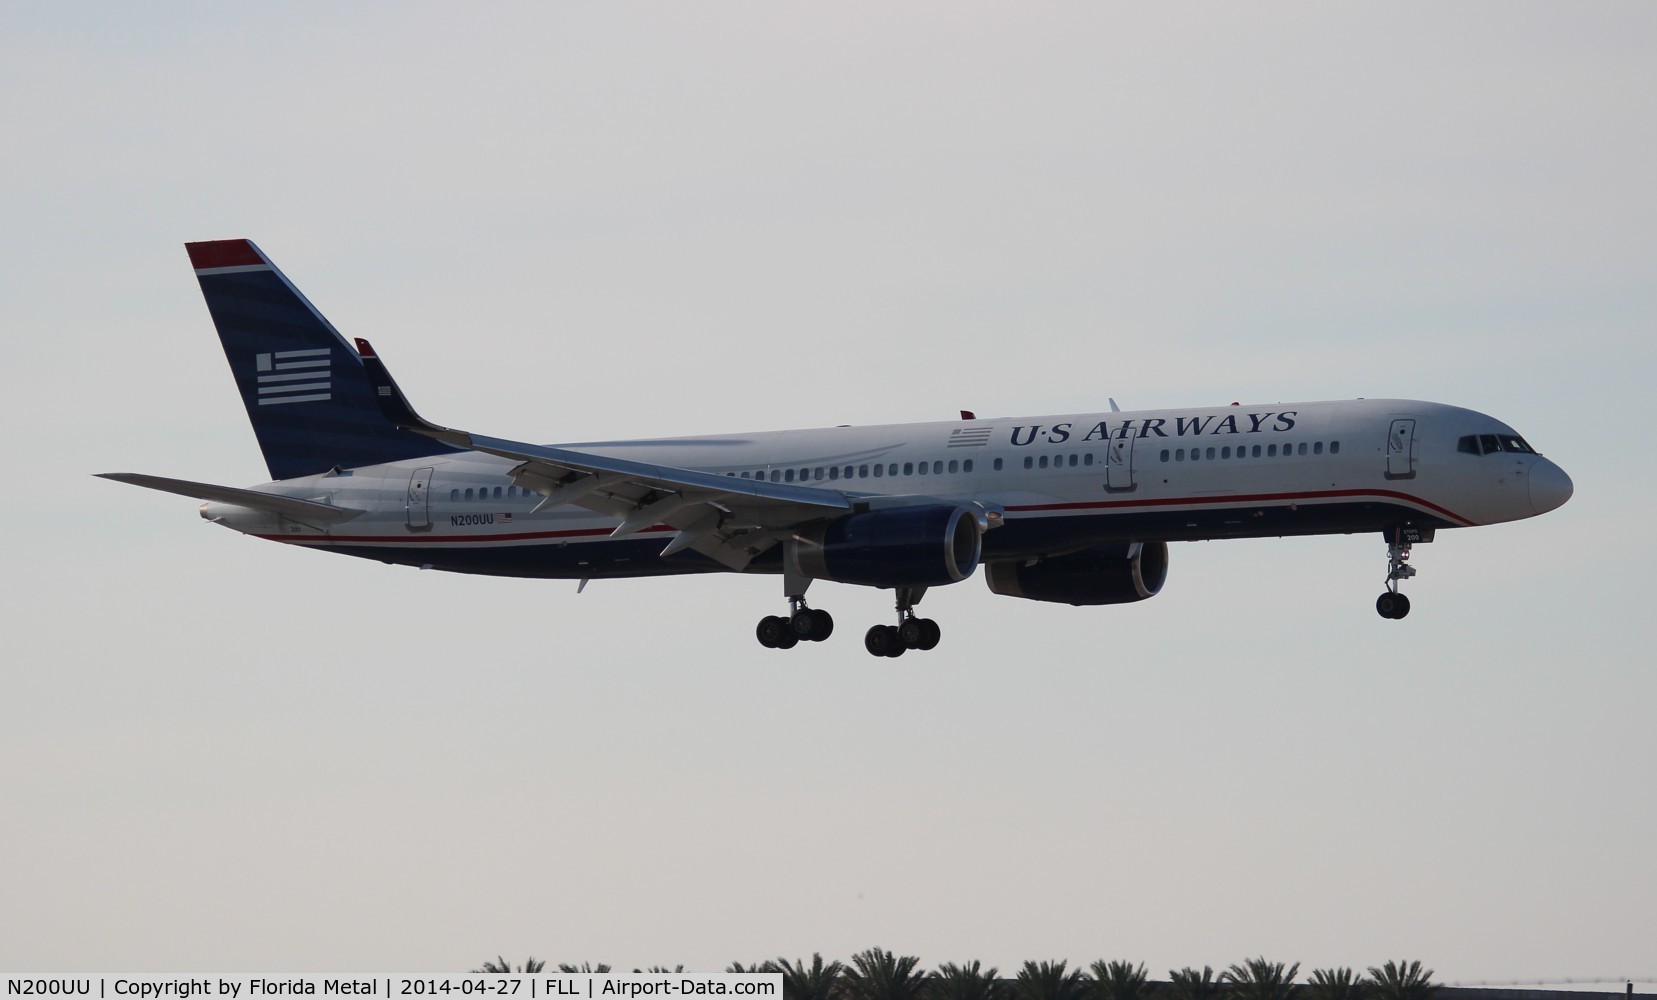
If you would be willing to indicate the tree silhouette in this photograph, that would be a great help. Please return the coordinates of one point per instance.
(1118, 980)
(816, 981)
(1189, 984)
(1258, 979)
(877, 974)
(500, 966)
(1049, 981)
(1334, 984)
(1398, 981)
(585, 967)
(966, 982)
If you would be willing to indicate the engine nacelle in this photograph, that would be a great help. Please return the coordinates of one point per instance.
(923, 546)
(1104, 574)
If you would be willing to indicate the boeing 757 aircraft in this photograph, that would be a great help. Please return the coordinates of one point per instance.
(1072, 508)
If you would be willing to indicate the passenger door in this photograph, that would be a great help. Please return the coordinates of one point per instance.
(1119, 476)
(1401, 449)
(419, 500)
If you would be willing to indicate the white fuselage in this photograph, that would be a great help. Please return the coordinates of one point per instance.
(1062, 483)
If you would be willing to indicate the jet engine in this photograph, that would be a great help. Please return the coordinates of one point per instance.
(1104, 574)
(921, 546)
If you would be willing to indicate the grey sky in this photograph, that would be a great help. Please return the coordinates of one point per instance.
(567, 223)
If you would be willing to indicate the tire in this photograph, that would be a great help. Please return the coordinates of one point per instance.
(882, 640)
(770, 631)
(932, 633)
(1388, 604)
(1403, 607)
(812, 626)
(911, 633)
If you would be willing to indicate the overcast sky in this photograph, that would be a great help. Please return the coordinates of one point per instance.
(568, 222)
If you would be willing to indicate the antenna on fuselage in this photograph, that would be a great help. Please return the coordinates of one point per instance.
(1113, 407)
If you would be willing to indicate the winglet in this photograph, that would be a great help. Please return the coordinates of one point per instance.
(396, 406)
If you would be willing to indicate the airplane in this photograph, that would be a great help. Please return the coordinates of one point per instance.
(1072, 509)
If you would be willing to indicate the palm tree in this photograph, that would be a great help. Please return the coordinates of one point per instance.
(585, 967)
(814, 982)
(1334, 984)
(878, 974)
(662, 968)
(966, 982)
(738, 967)
(1397, 981)
(502, 967)
(1049, 981)
(1118, 980)
(1258, 979)
(1189, 984)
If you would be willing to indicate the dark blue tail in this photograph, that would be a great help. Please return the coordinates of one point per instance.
(307, 395)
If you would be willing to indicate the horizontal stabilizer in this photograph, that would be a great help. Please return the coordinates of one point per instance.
(304, 510)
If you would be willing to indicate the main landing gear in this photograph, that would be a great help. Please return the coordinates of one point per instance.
(909, 633)
(1391, 603)
(803, 624)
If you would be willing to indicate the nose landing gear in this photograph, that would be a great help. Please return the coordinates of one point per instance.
(1391, 603)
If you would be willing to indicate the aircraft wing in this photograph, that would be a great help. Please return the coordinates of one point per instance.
(308, 511)
(724, 517)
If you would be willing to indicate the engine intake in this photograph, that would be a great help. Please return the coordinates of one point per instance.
(1104, 574)
(925, 546)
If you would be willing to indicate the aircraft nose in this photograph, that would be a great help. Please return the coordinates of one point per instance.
(1550, 487)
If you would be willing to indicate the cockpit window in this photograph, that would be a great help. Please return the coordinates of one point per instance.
(1490, 444)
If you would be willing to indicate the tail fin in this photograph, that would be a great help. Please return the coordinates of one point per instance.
(310, 400)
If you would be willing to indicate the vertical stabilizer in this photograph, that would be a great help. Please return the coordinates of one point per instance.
(306, 392)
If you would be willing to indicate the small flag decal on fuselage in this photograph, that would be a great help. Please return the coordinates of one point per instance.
(293, 376)
(970, 437)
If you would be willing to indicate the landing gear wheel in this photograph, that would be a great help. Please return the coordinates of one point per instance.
(883, 640)
(911, 632)
(771, 630)
(788, 640)
(931, 633)
(1391, 605)
(812, 625)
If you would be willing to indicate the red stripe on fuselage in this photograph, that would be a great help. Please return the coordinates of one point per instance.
(1243, 499)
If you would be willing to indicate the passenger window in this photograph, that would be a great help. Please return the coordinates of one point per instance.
(1165, 454)
(454, 494)
(1029, 463)
(1271, 451)
(1072, 461)
(468, 494)
(1256, 451)
(497, 493)
(880, 470)
(834, 472)
(998, 465)
(1301, 450)
(1209, 454)
(1334, 447)
(1225, 452)
(892, 469)
(909, 468)
(1042, 461)
(953, 467)
(937, 468)
(1087, 459)
(776, 475)
(1179, 454)
(1317, 447)
(862, 472)
(966, 466)
(788, 475)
